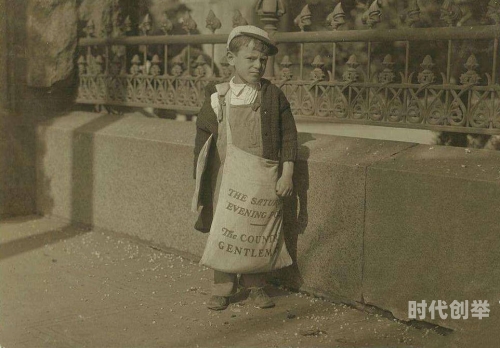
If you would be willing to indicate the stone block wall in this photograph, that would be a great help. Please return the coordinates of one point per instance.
(37, 83)
(17, 142)
(373, 222)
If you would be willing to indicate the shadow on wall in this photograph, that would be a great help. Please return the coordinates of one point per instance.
(17, 167)
(46, 105)
(79, 156)
(295, 214)
(82, 174)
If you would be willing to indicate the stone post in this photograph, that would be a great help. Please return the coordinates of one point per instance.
(4, 90)
(4, 56)
(270, 12)
(51, 41)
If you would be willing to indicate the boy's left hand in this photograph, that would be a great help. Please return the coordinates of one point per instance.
(284, 186)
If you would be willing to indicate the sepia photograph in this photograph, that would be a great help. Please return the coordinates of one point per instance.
(249, 173)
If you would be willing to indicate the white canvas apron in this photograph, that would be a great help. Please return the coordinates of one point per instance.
(246, 233)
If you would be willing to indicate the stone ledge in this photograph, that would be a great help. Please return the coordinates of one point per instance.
(366, 205)
(445, 161)
(432, 230)
(134, 125)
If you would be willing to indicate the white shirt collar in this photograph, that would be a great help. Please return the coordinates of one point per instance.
(238, 88)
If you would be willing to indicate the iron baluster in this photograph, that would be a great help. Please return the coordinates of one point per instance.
(407, 61)
(495, 61)
(286, 74)
(270, 12)
(89, 31)
(334, 49)
(166, 27)
(371, 17)
(127, 28)
(448, 62)
(493, 13)
(494, 79)
(469, 79)
(303, 20)
(189, 25)
(145, 28)
(406, 80)
(177, 63)
(82, 65)
(106, 54)
(451, 14)
(155, 66)
(335, 19)
(134, 69)
(411, 17)
(213, 23)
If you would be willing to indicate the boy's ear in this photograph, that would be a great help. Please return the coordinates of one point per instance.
(230, 58)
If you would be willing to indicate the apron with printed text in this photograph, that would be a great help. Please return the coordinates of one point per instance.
(246, 233)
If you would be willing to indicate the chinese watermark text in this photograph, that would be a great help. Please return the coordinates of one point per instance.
(455, 310)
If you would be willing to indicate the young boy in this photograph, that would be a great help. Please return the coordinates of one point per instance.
(261, 123)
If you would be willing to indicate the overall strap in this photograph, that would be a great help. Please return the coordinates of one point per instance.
(227, 105)
(222, 89)
(257, 102)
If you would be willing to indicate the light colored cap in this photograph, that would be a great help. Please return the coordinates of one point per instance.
(253, 31)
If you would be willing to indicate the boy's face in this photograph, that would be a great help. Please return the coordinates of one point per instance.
(249, 64)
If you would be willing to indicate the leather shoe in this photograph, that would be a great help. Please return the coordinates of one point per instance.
(218, 303)
(260, 299)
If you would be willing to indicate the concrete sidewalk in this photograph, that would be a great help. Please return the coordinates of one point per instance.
(67, 286)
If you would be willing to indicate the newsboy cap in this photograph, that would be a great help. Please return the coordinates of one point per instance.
(255, 32)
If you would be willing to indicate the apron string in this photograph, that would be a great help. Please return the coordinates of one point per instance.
(227, 102)
(256, 104)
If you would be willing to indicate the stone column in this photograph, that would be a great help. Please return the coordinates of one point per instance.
(3, 56)
(51, 36)
(5, 115)
(270, 12)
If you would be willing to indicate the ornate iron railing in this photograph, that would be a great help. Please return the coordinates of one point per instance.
(111, 73)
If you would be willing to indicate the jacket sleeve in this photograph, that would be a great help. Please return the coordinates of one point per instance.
(205, 124)
(288, 130)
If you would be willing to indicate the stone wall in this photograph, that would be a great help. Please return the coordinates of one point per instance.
(51, 41)
(17, 155)
(4, 54)
(373, 222)
(24, 40)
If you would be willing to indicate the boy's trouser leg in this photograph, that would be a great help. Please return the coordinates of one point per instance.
(224, 284)
(254, 280)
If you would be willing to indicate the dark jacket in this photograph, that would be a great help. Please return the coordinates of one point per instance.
(279, 138)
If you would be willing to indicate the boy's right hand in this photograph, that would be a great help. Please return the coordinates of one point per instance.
(284, 186)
